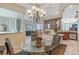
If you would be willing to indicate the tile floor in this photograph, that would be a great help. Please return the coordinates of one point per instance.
(72, 47)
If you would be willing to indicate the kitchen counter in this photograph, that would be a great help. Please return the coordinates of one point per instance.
(2, 33)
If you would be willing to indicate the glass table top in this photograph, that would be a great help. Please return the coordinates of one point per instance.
(32, 48)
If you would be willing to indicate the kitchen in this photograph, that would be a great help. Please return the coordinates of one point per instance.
(68, 25)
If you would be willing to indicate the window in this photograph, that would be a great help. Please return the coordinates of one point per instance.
(69, 17)
(10, 21)
(39, 27)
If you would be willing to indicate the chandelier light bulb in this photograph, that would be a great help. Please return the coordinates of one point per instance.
(37, 9)
(33, 7)
(29, 11)
(44, 12)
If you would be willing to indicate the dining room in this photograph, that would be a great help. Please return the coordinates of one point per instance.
(39, 29)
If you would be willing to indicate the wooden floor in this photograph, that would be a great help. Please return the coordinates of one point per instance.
(60, 50)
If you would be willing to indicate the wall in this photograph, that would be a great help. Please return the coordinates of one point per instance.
(13, 6)
(16, 38)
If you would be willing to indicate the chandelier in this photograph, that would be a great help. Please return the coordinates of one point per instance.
(36, 14)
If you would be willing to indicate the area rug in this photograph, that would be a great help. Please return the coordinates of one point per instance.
(60, 50)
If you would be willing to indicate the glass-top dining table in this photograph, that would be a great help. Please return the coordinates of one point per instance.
(32, 49)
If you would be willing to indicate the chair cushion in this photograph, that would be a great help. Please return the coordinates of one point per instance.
(56, 39)
(55, 42)
(16, 49)
(47, 39)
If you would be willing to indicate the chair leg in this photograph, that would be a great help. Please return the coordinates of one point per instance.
(1, 52)
(48, 52)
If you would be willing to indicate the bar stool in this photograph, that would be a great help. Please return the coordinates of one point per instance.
(61, 41)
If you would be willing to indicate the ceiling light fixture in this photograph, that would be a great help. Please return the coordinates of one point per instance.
(36, 13)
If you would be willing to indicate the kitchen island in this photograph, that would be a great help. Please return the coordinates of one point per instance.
(73, 35)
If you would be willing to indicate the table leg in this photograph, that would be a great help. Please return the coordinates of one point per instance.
(61, 41)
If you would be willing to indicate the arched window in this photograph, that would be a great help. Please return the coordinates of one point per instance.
(70, 16)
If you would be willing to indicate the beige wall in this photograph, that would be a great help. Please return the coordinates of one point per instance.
(15, 38)
(13, 6)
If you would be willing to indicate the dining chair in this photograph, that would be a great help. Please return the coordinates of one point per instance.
(10, 50)
(2, 49)
(55, 43)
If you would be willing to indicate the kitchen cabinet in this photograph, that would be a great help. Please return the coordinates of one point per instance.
(54, 24)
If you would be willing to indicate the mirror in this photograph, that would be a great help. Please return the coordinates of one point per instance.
(10, 21)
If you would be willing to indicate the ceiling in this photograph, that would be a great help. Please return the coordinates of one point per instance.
(52, 9)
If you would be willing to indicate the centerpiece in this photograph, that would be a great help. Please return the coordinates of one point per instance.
(38, 43)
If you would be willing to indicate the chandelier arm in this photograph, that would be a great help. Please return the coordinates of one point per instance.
(36, 14)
